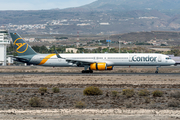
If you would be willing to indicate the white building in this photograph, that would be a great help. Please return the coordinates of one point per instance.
(71, 50)
(10, 59)
(3, 45)
(104, 24)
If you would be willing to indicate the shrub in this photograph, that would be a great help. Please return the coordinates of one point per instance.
(129, 105)
(128, 92)
(175, 94)
(147, 99)
(143, 92)
(157, 93)
(35, 102)
(80, 105)
(55, 90)
(92, 91)
(42, 90)
(114, 93)
(173, 103)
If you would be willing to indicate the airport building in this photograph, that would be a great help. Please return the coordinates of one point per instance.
(3, 46)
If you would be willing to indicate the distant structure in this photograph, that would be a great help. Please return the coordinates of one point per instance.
(10, 59)
(77, 43)
(71, 50)
(3, 46)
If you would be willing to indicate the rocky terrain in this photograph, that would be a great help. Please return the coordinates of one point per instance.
(16, 91)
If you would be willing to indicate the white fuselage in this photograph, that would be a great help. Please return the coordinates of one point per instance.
(123, 59)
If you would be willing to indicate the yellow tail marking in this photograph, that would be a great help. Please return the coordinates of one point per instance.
(17, 40)
(20, 45)
(46, 59)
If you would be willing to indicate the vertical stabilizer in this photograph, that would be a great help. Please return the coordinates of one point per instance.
(21, 47)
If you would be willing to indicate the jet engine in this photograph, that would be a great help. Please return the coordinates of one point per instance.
(100, 66)
(110, 68)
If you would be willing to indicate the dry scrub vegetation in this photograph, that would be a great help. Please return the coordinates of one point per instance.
(89, 91)
(90, 98)
(92, 91)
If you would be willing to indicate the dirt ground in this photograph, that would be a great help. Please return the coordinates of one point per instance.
(90, 114)
(16, 91)
(90, 79)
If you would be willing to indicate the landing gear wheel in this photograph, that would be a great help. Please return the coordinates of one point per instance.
(157, 69)
(87, 71)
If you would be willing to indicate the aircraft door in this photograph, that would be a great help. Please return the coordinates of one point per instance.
(130, 58)
(159, 58)
(59, 59)
(36, 59)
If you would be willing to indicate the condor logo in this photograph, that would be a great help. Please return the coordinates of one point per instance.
(144, 59)
(20, 46)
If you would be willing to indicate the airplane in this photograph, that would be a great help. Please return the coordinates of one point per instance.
(90, 62)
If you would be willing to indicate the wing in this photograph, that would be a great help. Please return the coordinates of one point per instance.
(57, 54)
(78, 61)
(81, 62)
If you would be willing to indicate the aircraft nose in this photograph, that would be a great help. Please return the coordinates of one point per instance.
(173, 62)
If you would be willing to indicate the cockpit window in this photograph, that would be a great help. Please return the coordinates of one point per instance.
(168, 58)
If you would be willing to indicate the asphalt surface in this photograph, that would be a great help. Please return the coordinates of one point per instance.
(78, 73)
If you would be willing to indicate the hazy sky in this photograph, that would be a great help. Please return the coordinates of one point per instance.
(40, 4)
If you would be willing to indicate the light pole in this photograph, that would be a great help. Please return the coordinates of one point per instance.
(119, 45)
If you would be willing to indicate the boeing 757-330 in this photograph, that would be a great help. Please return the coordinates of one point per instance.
(90, 62)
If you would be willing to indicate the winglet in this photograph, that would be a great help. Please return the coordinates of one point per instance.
(57, 54)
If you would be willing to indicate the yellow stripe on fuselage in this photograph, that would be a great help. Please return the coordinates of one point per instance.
(46, 59)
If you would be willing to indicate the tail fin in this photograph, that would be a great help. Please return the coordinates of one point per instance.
(21, 47)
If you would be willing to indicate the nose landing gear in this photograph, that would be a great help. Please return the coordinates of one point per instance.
(157, 69)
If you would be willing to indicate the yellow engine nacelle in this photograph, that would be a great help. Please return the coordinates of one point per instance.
(110, 68)
(100, 66)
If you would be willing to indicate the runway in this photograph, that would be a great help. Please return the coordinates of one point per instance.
(71, 71)
(84, 74)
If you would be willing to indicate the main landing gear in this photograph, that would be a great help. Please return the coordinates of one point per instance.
(157, 69)
(87, 71)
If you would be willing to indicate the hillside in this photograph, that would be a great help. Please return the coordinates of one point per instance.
(100, 17)
(104, 5)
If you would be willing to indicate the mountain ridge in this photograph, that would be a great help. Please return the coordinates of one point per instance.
(99, 17)
(123, 5)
